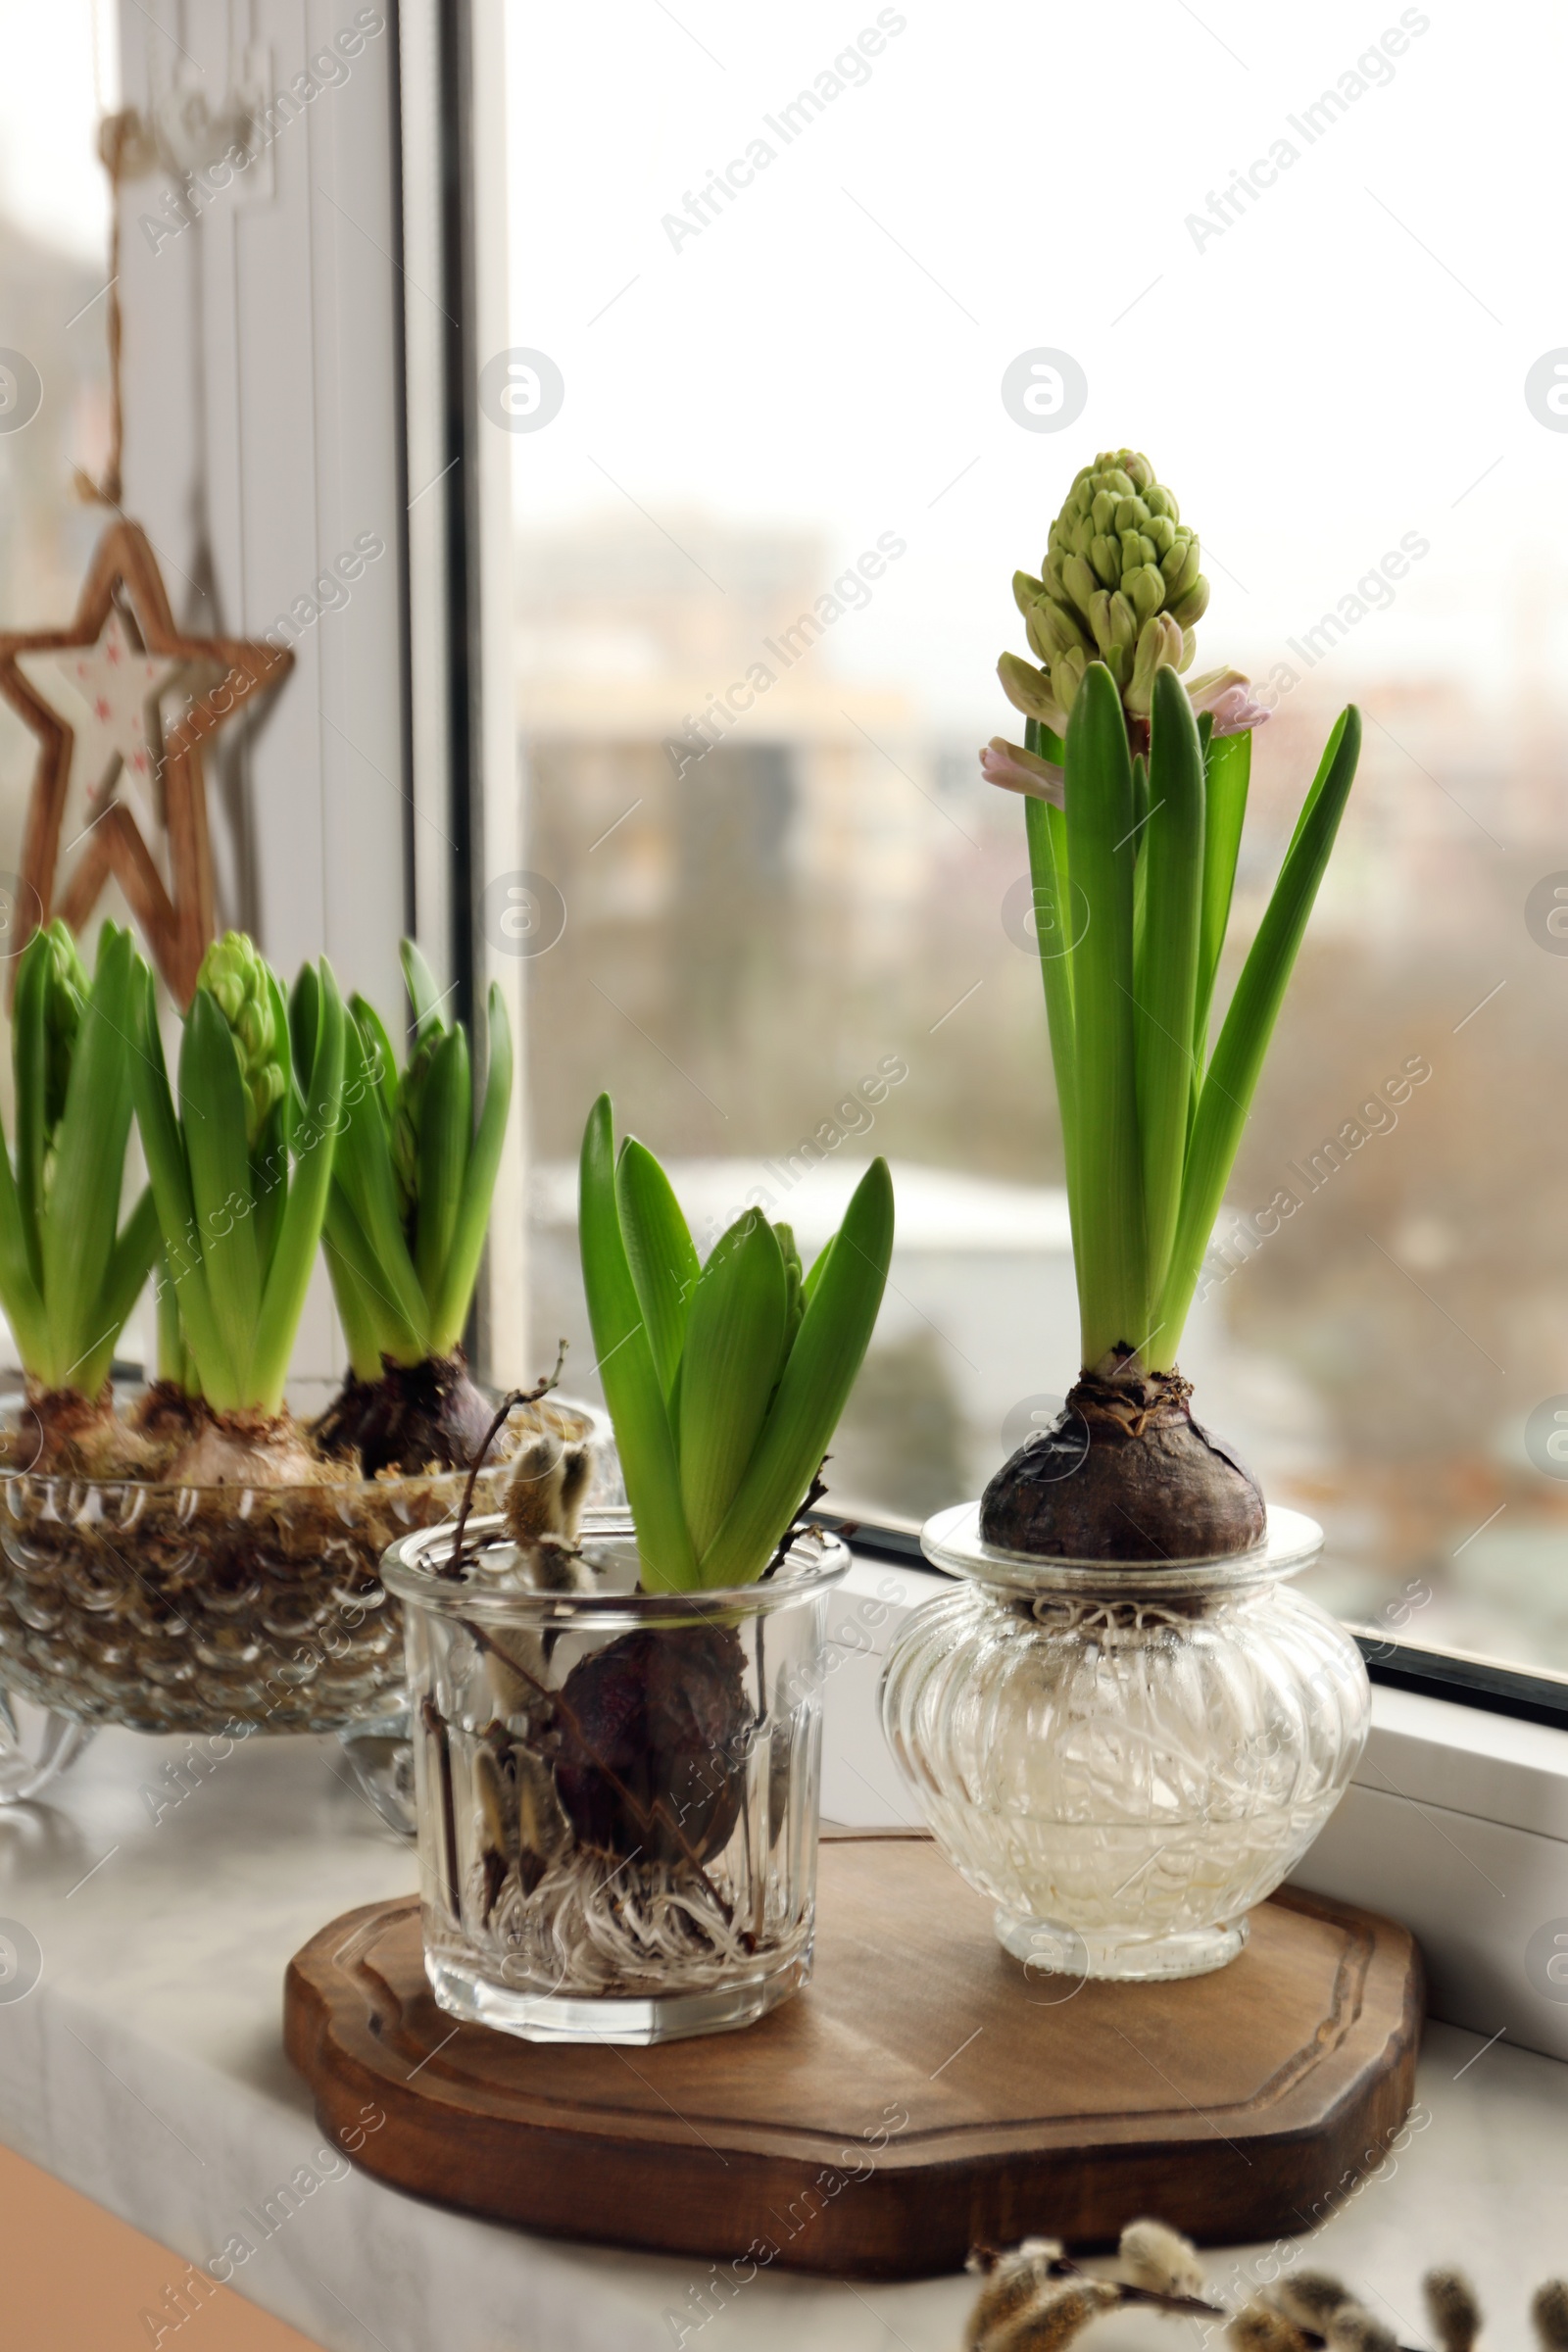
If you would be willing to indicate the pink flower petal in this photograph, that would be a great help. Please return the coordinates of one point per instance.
(1018, 770)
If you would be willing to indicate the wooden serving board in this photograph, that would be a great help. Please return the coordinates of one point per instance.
(921, 2096)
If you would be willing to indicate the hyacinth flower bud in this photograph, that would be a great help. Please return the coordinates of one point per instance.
(1159, 647)
(1018, 770)
(1180, 568)
(1104, 554)
(1029, 690)
(1066, 676)
(234, 975)
(1118, 562)
(1227, 697)
(1080, 583)
(1189, 608)
(1144, 590)
(1054, 630)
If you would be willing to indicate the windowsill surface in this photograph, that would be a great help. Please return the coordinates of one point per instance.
(145, 2070)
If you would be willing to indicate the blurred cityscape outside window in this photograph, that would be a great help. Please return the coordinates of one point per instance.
(763, 553)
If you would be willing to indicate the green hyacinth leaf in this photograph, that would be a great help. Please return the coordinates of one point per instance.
(1233, 1074)
(213, 1107)
(846, 1295)
(1101, 850)
(164, 1148)
(450, 1310)
(730, 1363)
(445, 1129)
(305, 1210)
(660, 1252)
(1171, 871)
(423, 994)
(1227, 772)
(633, 1390)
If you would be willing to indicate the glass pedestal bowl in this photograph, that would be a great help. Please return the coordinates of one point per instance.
(1124, 1759)
(216, 1609)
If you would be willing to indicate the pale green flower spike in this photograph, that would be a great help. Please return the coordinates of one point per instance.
(1120, 584)
(235, 974)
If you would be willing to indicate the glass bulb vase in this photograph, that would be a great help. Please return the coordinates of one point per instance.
(1124, 1759)
(616, 1790)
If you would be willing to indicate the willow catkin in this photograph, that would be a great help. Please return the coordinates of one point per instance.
(1060, 2310)
(1309, 2297)
(1011, 2285)
(1453, 2308)
(1161, 2260)
(1259, 2328)
(1548, 2308)
(1351, 2328)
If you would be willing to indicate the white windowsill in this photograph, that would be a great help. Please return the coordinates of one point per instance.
(145, 2070)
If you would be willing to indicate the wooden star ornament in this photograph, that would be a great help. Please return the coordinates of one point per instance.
(121, 703)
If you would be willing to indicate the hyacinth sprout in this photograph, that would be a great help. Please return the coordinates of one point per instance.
(241, 1169)
(70, 1271)
(724, 1381)
(406, 1223)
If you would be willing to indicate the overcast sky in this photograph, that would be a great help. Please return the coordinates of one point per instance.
(1341, 365)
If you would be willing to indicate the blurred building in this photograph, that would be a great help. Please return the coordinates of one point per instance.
(688, 684)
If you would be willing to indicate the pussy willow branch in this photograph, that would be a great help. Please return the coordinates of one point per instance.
(1187, 2307)
(509, 1403)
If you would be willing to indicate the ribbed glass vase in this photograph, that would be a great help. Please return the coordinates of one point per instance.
(1125, 1760)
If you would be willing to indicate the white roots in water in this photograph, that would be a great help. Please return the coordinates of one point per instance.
(593, 1925)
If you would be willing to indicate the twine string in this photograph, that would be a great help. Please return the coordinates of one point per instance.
(112, 133)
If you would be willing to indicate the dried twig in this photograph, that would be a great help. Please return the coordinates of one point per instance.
(800, 1525)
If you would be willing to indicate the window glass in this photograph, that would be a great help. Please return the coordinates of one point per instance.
(813, 329)
(54, 374)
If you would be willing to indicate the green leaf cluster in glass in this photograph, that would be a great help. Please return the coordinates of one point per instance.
(70, 1274)
(724, 1381)
(414, 1179)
